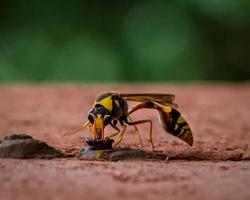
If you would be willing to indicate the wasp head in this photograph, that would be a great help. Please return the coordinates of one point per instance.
(99, 117)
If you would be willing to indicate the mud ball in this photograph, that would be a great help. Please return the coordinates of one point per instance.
(23, 146)
(99, 144)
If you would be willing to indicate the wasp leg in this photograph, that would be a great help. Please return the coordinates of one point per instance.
(137, 132)
(77, 130)
(116, 133)
(121, 136)
(91, 132)
(150, 138)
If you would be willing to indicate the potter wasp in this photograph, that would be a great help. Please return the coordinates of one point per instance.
(111, 108)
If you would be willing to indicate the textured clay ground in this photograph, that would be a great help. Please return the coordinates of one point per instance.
(219, 117)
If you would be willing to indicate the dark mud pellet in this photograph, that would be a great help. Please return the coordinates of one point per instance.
(98, 144)
(25, 147)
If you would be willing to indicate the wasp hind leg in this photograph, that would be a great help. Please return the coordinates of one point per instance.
(150, 138)
(136, 131)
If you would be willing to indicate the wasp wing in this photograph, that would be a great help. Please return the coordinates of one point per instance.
(163, 99)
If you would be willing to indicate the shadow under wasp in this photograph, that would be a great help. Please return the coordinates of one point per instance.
(111, 108)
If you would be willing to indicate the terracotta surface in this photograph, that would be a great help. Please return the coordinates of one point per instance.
(218, 114)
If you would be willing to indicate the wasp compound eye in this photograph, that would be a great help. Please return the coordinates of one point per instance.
(91, 118)
(107, 119)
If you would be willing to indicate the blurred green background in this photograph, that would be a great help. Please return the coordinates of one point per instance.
(94, 40)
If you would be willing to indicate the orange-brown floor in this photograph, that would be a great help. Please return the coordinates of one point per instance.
(219, 115)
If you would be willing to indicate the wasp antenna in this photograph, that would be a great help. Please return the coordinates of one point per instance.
(77, 130)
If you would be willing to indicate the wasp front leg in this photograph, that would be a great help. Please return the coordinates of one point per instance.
(116, 133)
(121, 133)
(121, 136)
(90, 130)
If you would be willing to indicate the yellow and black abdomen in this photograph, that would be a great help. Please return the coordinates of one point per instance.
(175, 124)
(171, 120)
(114, 103)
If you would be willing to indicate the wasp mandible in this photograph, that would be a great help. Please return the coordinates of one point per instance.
(110, 108)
